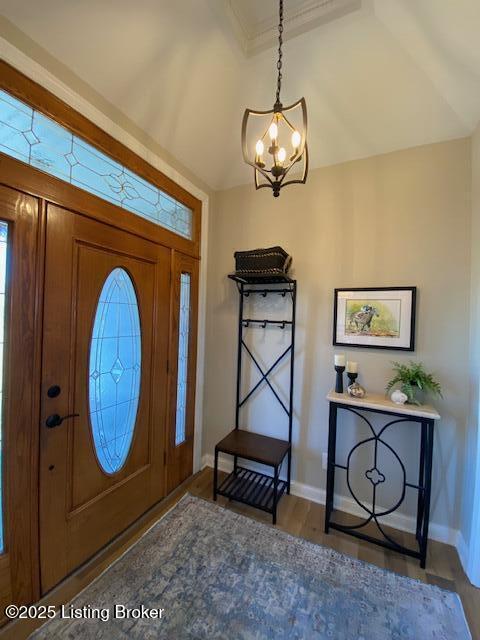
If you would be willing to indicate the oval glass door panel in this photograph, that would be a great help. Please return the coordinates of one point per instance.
(115, 370)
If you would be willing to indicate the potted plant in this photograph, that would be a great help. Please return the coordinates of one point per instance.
(414, 381)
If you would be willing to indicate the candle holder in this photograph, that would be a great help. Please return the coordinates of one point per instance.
(352, 376)
(339, 379)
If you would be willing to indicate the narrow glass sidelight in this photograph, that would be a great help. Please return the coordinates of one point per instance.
(182, 371)
(3, 295)
(115, 370)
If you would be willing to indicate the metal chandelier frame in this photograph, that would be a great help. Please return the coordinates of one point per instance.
(277, 183)
(275, 176)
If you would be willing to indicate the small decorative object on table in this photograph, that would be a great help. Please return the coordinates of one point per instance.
(354, 389)
(352, 371)
(398, 397)
(339, 368)
(414, 381)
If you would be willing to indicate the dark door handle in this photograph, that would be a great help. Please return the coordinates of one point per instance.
(55, 420)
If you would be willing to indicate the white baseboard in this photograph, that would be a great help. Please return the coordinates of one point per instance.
(462, 549)
(468, 564)
(400, 521)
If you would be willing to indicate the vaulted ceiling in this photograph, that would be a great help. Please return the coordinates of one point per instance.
(378, 75)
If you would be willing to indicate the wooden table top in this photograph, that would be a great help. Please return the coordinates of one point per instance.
(382, 403)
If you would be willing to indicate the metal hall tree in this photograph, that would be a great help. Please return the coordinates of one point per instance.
(244, 484)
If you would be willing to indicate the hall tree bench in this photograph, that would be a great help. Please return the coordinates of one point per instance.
(244, 484)
(424, 416)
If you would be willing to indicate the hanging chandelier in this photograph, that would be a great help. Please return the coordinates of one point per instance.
(274, 142)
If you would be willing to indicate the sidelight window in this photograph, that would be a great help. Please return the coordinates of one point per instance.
(29, 136)
(183, 342)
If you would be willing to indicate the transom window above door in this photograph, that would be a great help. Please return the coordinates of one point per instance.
(29, 136)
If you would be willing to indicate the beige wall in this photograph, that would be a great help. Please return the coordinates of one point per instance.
(397, 219)
(32, 50)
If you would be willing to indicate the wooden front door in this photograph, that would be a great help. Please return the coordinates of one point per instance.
(104, 386)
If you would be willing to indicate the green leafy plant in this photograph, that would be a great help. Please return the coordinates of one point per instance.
(412, 377)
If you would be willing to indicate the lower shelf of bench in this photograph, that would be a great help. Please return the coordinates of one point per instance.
(252, 488)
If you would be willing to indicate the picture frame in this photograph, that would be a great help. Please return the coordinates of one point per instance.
(375, 317)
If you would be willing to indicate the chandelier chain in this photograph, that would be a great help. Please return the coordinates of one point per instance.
(280, 54)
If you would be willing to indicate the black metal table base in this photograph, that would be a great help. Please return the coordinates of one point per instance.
(373, 513)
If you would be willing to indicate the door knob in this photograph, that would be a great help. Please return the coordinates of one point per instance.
(55, 420)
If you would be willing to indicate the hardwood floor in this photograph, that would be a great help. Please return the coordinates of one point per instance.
(297, 516)
(304, 518)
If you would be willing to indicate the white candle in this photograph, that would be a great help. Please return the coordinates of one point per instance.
(339, 360)
(352, 367)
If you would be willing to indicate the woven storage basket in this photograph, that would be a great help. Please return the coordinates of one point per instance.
(273, 261)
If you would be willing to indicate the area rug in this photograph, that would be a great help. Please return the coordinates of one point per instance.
(212, 573)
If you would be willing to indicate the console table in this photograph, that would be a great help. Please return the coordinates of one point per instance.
(424, 416)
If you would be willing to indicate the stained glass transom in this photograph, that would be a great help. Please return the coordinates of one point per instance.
(183, 335)
(3, 293)
(29, 136)
(114, 371)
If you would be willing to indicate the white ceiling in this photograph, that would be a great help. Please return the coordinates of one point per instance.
(255, 23)
(378, 75)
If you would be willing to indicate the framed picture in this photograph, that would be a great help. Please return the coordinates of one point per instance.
(382, 318)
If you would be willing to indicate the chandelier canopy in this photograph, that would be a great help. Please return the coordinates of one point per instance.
(274, 142)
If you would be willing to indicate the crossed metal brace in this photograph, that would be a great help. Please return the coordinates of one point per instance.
(264, 377)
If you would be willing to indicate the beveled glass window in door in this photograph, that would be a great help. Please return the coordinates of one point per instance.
(29, 136)
(3, 294)
(115, 370)
(182, 371)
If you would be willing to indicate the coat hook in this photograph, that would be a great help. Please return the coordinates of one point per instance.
(264, 294)
(246, 294)
(264, 324)
(283, 325)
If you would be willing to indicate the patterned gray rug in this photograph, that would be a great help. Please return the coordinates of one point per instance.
(217, 574)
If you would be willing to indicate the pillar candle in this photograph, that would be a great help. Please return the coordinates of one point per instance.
(339, 360)
(352, 367)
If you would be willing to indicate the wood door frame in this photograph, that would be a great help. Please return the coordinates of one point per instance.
(21, 443)
(45, 189)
